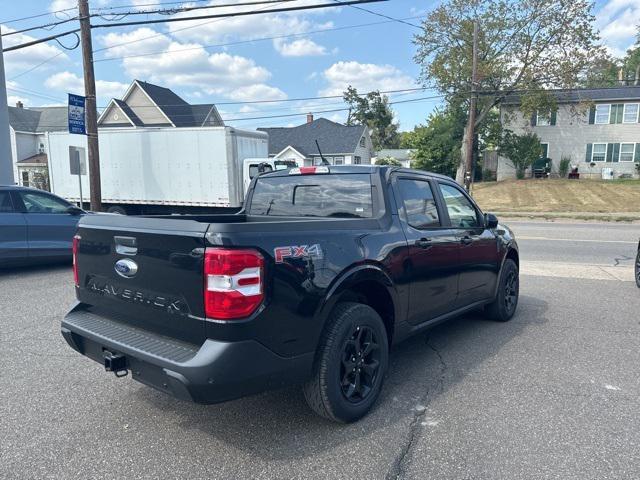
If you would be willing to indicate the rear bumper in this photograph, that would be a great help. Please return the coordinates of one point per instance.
(210, 373)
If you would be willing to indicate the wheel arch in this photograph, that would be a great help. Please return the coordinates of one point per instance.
(368, 284)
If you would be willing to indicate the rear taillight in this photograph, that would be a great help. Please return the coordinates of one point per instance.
(76, 277)
(233, 283)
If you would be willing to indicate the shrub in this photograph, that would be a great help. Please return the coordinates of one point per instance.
(563, 168)
(521, 150)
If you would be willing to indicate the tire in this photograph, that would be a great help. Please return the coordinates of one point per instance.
(505, 304)
(354, 332)
(117, 210)
(637, 270)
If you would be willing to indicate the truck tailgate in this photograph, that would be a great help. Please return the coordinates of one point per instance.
(145, 272)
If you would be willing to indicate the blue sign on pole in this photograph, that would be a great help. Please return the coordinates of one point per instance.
(76, 114)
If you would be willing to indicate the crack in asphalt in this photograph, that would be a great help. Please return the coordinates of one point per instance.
(398, 467)
(618, 259)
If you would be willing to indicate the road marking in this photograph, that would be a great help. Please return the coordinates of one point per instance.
(575, 270)
(586, 240)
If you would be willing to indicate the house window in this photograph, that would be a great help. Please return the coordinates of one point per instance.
(338, 160)
(362, 142)
(602, 114)
(545, 150)
(630, 113)
(543, 120)
(627, 151)
(25, 178)
(357, 160)
(599, 152)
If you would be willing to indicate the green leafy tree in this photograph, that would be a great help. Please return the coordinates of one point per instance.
(523, 47)
(374, 111)
(388, 161)
(437, 144)
(521, 150)
(632, 59)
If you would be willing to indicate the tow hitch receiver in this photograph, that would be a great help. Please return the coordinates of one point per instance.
(116, 363)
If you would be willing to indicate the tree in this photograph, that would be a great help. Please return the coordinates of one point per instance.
(521, 150)
(374, 111)
(632, 59)
(437, 144)
(523, 48)
(388, 161)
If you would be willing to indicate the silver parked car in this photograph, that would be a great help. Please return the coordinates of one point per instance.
(35, 226)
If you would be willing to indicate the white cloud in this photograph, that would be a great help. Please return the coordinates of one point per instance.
(189, 65)
(248, 27)
(618, 22)
(302, 47)
(365, 77)
(72, 83)
(58, 5)
(17, 61)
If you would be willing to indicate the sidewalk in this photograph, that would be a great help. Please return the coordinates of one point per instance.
(631, 217)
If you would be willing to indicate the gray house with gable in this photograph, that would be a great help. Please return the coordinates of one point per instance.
(597, 128)
(340, 144)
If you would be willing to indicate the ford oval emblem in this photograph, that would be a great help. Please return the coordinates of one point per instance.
(126, 268)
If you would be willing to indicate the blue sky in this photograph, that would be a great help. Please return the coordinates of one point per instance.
(188, 57)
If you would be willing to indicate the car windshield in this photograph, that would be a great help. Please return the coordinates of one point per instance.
(338, 196)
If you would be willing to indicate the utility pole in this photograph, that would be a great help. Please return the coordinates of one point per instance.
(95, 193)
(473, 104)
(6, 163)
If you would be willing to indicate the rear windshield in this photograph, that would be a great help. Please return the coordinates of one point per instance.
(339, 196)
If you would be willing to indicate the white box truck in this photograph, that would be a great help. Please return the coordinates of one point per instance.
(162, 170)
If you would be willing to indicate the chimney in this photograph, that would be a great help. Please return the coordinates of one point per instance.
(620, 77)
(309, 117)
(19, 104)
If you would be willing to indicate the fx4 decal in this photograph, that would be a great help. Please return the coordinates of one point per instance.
(297, 251)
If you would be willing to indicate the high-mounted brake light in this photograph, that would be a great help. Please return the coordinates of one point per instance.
(308, 170)
(74, 249)
(233, 282)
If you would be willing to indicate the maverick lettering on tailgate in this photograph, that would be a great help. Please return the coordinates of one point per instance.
(144, 297)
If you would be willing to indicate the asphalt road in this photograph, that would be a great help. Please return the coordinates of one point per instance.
(552, 394)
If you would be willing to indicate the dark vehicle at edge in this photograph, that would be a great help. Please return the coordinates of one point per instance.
(312, 282)
(637, 268)
(35, 226)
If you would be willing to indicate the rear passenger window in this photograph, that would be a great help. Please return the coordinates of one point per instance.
(5, 202)
(419, 204)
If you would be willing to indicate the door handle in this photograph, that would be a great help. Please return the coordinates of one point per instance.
(466, 240)
(423, 242)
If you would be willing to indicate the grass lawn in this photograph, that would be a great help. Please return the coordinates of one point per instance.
(559, 196)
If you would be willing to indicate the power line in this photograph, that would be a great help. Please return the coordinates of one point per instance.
(173, 11)
(52, 25)
(15, 20)
(115, 7)
(237, 14)
(220, 15)
(242, 42)
(384, 16)
(300, 114)
(162, 34)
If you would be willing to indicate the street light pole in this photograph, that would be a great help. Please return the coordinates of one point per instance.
(95, 192)
(6, 163)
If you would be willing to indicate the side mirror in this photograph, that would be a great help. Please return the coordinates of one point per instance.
(73, 210)
(490, 220)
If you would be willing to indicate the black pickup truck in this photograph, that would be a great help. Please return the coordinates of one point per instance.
(312, 282)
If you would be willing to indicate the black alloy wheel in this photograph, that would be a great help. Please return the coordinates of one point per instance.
(511, 292)
(360, 364)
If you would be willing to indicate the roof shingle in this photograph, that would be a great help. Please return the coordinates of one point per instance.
(334, 138)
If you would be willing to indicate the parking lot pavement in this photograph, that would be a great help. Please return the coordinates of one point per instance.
(551, 394)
